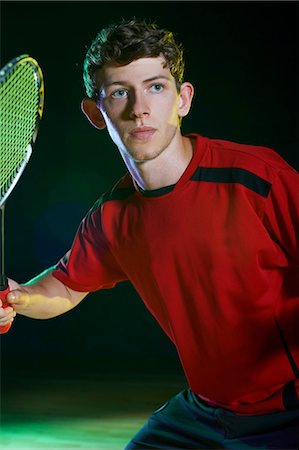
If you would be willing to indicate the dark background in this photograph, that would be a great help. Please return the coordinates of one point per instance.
(242, 59)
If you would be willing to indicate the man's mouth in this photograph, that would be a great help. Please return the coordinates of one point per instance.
(142, 133)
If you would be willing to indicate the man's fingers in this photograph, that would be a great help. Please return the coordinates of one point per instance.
(7, 315)
(17, 297)
(12, 297)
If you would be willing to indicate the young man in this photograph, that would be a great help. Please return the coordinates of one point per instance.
(206, 231)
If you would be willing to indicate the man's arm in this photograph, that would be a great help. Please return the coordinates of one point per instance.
(43, 297)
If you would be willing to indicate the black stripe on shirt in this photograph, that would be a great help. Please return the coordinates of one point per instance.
(114, 194)
(233, 175)
(119, 194)
(158, 192)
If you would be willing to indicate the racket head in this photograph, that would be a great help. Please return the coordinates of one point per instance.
(21, 106)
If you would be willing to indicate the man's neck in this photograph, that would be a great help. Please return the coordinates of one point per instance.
(166, 169)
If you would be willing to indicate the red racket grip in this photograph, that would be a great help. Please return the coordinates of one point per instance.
(3, 295)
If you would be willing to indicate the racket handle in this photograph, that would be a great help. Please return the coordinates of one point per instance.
(3, 295)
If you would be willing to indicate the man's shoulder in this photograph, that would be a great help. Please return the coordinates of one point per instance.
(119, 191)
(247, 154)
(262, 161)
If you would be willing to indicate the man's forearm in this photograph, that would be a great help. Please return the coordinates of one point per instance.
(43, 297)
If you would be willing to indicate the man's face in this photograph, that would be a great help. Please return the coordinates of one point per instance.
(139, 103)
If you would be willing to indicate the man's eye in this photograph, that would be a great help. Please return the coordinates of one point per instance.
(120, 93)
(157, 87)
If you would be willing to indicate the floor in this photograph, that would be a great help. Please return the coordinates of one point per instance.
(58, 414)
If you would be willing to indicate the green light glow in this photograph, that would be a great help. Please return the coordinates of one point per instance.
(102, 434)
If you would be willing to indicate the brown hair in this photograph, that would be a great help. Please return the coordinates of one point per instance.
(127, 41)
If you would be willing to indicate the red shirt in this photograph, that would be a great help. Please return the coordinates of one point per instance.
(214, 259)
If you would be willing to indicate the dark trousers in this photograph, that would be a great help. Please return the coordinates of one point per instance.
(185, 422)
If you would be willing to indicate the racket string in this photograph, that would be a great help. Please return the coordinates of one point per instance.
(19, 102)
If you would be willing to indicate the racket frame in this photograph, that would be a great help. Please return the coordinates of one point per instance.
(4, 73)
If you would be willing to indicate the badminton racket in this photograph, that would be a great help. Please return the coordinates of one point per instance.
(21, 108)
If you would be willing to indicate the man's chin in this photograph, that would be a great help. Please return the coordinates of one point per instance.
(142, 159)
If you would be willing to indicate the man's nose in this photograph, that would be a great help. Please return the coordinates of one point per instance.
(139, 105)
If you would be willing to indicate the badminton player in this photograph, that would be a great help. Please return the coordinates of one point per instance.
(206, 230)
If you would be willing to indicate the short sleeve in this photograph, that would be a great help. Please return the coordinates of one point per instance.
(281, 216)
(89, 265)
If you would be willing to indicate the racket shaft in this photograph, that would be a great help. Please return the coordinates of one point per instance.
(3, 279)
(4, 289)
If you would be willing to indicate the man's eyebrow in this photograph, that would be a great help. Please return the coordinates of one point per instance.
(148, 80)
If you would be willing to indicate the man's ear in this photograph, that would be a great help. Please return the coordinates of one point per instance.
(185, 98)
(93, 114)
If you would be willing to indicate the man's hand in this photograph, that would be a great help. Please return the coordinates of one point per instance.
(7, 315)
(15, 301)
(18, 299)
